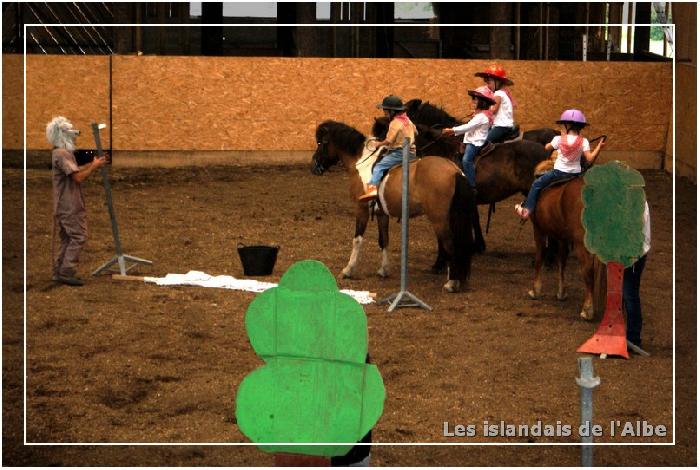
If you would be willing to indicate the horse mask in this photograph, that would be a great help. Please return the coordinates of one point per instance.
(60, 133)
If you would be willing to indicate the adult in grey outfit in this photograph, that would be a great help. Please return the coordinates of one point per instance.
(68, 203)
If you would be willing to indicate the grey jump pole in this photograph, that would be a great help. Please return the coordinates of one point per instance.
(404, 298)
(119, 258)
(587, 382)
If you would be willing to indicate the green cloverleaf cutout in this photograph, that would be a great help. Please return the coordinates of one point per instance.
(315, 385)
(613, 213)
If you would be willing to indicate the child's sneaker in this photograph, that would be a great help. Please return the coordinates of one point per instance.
(523, 212)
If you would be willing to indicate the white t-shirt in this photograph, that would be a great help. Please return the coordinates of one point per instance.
(504, 116)
(564, 164)
(647, 228)
(475, 130)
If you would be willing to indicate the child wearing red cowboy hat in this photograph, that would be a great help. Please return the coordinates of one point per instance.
(475, 130)
(400, 127)
(570, 146)
(503, 121)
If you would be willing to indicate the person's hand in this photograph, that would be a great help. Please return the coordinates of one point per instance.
(97, 162)
(601, 144)
(448, 131)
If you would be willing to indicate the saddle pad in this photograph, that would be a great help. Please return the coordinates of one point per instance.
(366, 162)
(561, 181)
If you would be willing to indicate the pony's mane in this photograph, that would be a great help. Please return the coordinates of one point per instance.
(423, 112)
(346, 138)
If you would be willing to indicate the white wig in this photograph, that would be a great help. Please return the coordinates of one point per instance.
(60, 133)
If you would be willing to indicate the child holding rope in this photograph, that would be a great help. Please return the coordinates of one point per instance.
(400, 127)
(570, 147)
(504, 104)
(475, 130)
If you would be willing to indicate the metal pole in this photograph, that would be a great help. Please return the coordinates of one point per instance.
(119, 258)
(587, 383)
(404, 298)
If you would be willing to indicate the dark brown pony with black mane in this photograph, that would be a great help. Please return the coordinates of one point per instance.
(438, 190)
(509, 169)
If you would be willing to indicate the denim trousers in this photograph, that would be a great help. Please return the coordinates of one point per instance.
(391, 159)
(542, 182)
(498, 134)
(468, 168)
(630, 299)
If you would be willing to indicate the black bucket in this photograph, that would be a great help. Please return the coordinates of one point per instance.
(258, 260)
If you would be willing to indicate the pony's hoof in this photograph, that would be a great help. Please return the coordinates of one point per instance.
(479, 247)
(587, 313)
(346, 273)
(532, 294)
(562, 296)
(452, 286)
(383, 273)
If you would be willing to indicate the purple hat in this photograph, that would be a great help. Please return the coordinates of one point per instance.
(572, 116)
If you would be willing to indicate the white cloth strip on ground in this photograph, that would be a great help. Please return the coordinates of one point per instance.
(201, 279)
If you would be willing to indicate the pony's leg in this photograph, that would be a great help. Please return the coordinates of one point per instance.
(540, 240)
(479, 243)
(452, 284)
(441, 261)
(563, 255)
(361, 218)
(585, 259)
(383, 227)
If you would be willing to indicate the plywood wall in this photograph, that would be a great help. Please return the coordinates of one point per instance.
(686, 121)
(232, 103)
(73, 86)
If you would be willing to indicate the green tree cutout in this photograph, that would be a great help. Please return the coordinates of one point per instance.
(613, 218)
(315, 386)
(613, 213)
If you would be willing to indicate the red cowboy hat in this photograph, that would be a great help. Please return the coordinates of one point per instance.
(484, 93)
(495, 71)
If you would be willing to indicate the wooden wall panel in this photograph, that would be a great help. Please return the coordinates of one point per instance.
(12, 101)
(76, 87)
(686, 121)
(275, 104)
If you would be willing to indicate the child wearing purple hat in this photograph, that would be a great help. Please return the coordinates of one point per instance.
(571, 146)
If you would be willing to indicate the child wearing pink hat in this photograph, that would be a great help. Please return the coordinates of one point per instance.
(475, 131)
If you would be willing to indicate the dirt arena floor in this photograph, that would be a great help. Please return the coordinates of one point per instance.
(126, 362)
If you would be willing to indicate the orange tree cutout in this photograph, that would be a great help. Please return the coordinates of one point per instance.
(613, 218)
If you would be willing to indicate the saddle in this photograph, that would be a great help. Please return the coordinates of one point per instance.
(515, 135)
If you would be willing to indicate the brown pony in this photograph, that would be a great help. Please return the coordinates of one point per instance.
(558, 215)
(438, 190)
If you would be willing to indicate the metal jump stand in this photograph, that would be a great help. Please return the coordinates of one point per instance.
(119, 258)
(404, 298)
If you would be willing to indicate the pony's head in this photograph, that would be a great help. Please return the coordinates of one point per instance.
(60, 133)
(333, 139)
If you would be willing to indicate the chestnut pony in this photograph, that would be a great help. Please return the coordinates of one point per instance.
(438, 190)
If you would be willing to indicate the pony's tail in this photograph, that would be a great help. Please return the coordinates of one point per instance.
(461, 208)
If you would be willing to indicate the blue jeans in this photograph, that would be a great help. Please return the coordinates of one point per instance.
(542, 182)
(470, 152)
(498, 134)
(391, 159)
(630, 299)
